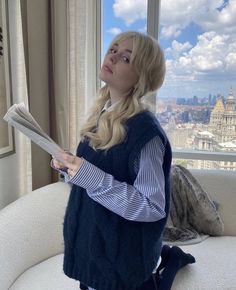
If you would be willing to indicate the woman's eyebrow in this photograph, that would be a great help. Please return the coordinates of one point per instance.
(127, 50)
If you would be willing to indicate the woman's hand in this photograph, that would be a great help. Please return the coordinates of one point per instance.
(68, 162)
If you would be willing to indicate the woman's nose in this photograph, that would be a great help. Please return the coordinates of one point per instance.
(113, 58)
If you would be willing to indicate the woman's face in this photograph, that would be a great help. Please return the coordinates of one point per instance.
(117, 71)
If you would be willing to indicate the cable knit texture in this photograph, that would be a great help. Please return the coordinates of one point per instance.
(102, 249)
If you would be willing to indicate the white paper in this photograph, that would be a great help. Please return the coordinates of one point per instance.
(21, 119)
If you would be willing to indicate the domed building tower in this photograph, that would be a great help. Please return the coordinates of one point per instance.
(229, 119)
(223, 119)
(216, 118)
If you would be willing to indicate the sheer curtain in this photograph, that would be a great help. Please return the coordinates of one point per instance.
(19, 91)
(75, 54)
(83, 52)
(75, 27)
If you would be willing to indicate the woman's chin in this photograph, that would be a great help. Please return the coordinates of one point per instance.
(101, 76)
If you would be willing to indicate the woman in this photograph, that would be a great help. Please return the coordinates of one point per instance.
(119, 200)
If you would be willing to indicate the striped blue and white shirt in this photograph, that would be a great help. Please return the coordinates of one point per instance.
(142, 201)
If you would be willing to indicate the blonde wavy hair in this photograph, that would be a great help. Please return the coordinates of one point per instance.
(148, 60)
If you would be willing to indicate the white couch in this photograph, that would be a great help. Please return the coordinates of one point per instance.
(31, 244)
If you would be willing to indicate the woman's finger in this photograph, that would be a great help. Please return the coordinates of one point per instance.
(56, 163)
(71, 172)
(70, 161)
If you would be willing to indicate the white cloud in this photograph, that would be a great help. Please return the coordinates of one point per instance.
(219, 21)
(130, 11)
(114, 30)
(176, 15)
(213, 56)
(210, 52)
(143, 29)
(178, 48)
(231, 62)
(170, 31)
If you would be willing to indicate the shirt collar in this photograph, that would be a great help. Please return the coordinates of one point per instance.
(108, 106)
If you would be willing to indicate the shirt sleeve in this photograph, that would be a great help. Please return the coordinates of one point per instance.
(142, 201)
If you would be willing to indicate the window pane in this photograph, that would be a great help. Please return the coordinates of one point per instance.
(196, 104)
(122, 15)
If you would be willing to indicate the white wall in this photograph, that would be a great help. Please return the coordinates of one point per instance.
(9, 179)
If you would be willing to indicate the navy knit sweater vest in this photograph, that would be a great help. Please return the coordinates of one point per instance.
(102, 249)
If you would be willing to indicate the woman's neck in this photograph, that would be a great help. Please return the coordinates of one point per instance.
(116, 96)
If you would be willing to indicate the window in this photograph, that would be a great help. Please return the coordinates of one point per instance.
(197, 103)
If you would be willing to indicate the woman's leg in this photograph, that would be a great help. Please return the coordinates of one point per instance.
(173, 260)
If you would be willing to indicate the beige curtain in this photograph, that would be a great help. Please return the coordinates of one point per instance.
(37, 36)
(55, 52)
(75, 54)
(82, 64)
(45, 45)
(20, 94)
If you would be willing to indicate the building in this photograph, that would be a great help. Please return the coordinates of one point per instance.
(221, 134)
(223, 119)
(188, 128)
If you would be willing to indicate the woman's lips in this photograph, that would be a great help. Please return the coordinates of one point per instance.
(107, 68)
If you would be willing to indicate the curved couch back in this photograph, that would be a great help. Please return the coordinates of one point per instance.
(31, 230)
(221, 187)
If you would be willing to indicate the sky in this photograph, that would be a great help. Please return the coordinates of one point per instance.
(198, 38)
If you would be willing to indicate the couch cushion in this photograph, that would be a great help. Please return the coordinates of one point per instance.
(47, 275)
(214, 268)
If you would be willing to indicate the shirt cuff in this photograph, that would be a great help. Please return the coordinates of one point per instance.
(88, 176)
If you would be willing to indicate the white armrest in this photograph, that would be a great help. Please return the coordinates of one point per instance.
(31, 230)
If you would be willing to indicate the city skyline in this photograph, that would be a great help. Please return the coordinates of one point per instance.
(199, 40)
(205, 127)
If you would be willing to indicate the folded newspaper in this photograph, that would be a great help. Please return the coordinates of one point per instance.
(20, 118)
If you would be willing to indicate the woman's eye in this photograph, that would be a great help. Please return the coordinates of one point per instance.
(112, 50)
(120, 56)
(125, 59)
